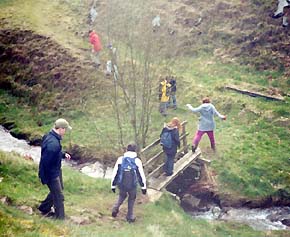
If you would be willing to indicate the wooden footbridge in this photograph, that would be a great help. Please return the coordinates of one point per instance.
(153, 161)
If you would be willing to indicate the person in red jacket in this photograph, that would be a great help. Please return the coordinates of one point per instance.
(96, 47)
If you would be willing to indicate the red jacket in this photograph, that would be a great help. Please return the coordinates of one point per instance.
(95, 41)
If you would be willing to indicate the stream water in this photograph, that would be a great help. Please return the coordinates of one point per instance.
(259, 219)
(8, 143)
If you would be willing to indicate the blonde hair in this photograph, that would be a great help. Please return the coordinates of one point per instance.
(175, 122)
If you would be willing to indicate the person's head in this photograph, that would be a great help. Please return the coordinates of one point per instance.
(205, 100)
(175, 122)
(132, 147)
(91, 30)
(286, 10)
(61, 126)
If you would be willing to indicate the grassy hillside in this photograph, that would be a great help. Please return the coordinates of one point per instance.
(47, 73)
(90, 200)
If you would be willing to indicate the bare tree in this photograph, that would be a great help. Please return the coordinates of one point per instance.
(141, 52)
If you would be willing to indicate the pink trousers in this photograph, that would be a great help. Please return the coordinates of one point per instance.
(199, 135)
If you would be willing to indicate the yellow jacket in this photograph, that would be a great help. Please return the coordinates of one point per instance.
(165, 91)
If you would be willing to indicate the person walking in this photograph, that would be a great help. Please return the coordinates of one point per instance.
(169, 139)
(164, 92)
(128, 170)
(283, 10)
(96, 47)
(206, 122)
(50, 172)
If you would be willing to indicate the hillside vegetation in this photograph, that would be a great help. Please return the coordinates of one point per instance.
(46, 72)
(88, 205)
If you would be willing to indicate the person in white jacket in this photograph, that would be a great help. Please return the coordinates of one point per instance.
(282, 11)
(130, 187)
(206, 122)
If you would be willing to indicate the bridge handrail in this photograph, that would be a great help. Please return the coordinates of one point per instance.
(150, 160)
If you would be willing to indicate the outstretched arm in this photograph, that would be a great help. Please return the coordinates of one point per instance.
(223, 117)
(194, 110)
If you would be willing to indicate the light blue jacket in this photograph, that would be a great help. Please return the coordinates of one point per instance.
(207, 112)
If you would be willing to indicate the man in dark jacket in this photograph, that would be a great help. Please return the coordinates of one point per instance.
(50, 169)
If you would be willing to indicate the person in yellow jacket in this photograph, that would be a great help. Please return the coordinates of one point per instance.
(164, 93)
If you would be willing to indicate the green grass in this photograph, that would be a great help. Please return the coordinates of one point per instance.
(252, 145)
(92, 199)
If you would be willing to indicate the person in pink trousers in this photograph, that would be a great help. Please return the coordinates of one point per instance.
(206, 122)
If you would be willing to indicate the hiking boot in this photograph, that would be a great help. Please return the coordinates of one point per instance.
(193, 148)
(115, 213)
(129, 220)
(278, 15)
(49, 214)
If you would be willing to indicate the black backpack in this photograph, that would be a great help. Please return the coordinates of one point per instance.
(128, 177)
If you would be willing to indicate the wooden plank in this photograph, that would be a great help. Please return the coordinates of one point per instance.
(158, 170)
(154, 172)
(156, 142)
(162, 181)
(254, 93)
(160, 152)
(153, 158)
(203, 160)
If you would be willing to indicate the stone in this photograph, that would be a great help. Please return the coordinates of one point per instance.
(189, 202)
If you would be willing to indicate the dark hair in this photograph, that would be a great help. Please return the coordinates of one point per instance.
(132, 146)
(205, 100)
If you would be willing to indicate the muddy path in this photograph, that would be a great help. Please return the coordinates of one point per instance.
(33, 66)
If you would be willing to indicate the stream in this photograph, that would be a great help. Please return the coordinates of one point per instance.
(259, 219)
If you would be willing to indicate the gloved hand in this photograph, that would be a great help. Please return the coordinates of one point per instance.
(144, 191)
(113, 190)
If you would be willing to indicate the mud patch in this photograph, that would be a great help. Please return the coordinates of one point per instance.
(40, 71)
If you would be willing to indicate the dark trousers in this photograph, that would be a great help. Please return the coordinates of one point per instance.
(54, 198)
(169, 162)
(131, 200)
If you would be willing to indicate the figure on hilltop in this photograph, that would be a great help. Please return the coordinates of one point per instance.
(96, 47)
